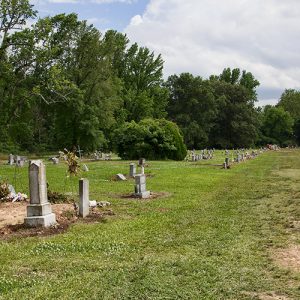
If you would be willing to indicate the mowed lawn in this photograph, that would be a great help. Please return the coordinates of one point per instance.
(216, 235)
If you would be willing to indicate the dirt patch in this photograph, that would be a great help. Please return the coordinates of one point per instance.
(13, 215)
(153, 195)
(288, 258)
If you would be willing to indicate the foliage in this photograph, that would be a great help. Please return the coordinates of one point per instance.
(290, 101)
(57, 197)
(72, 162)
(277, 126)
(150, 138)
(4, 189)
(218, 112)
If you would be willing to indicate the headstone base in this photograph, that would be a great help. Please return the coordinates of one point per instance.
(44, 221)
(143, 195)
(36, 210)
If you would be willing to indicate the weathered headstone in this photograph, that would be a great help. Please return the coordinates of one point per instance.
(39, 212)
(85, 168)
(142, 162)
(140, 186)
(55, 160)
(84, 201)
(227, 161)
(132, 170)
(11, 159)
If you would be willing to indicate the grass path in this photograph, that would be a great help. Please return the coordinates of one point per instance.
(214, 237)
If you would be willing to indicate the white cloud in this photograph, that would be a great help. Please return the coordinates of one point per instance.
(205, 36)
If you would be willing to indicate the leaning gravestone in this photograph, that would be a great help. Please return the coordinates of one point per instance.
(140, 186)
(84, 201)
(120, 177)
(39, 212)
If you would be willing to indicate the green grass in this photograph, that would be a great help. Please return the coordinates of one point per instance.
(210, 239)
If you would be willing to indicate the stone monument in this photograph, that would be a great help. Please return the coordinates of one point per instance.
(84, 201)
(132, 170)
(39, 212)
(140, 186)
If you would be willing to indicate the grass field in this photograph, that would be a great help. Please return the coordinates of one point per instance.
(219, 234)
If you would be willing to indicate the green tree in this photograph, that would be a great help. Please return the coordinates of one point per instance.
(150, 138)
(290, 101)
(192, 106)
(277, 126)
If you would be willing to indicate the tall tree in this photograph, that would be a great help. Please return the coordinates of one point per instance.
(192, 107)
(277, 126)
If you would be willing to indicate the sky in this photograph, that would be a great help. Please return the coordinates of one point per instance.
(205, 36)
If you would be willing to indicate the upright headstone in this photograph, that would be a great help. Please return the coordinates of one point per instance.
(227, 161)
(140, 186)
(11, 159)
(84, 201)
(142, 162)
(85, 168)
(39, 212)
(132, 170)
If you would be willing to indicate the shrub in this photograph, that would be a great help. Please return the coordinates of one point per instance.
(150, 138)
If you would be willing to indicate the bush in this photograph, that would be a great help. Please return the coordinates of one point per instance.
(150, 138)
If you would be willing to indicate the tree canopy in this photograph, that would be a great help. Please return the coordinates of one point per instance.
(63, 83)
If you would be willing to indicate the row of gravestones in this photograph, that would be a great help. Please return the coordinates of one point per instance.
(39, 212)
(241, 156)
(203, 155)
(16, 160)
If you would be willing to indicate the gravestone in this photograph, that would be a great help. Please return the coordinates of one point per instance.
(121, 177)
(132, 170)
(142, 162)
(84, 201)
(227, 161)
(55, 160)
(140, 187)
(85, 168)
(39, 212)
(11, 159)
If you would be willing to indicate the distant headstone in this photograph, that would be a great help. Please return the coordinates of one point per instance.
(84, 202)
(85, 168)
(140, 186)
(120, 177)
(55, 160)
(132, 170)
(227, 161)
(11, 159)
(39, 212)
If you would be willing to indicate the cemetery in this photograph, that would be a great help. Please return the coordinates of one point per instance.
(122, 180)
(188, 215)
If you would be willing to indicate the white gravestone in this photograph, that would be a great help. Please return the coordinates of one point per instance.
(84, 201)
(39, 212)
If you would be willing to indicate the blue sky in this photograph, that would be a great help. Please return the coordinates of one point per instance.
(203, 37)
(107, 14)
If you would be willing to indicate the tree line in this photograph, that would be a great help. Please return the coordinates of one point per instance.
(63, 83)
